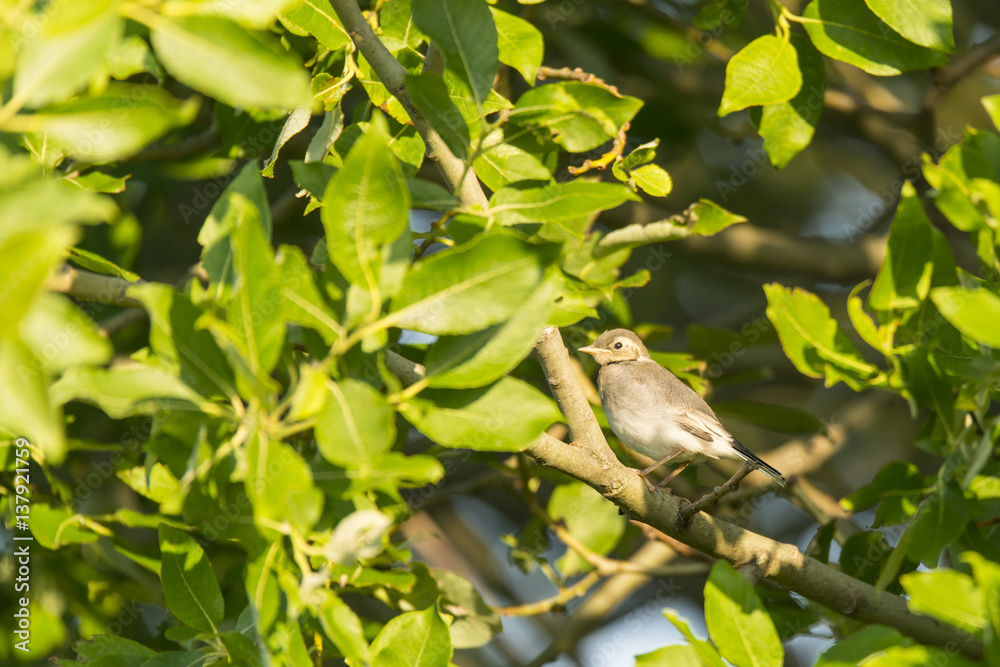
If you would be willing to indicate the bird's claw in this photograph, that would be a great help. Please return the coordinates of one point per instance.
(649, 485)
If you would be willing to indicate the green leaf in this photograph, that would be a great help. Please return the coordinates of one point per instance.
(109, 645)
(898, 486)
(131, 56)
(33, 203)
(126, 390)
(302, 301)
(257, 14)
(356, 426)
(465, 33)
(919, 656)
(25, 407)
(505, 416)
(869, 331)
(780, 418)
(343, 627)
(431, 196)
(653, 179)
(501, 163)
(939, 521)
(679, 655)
(946, 595)
(174, 338)
(737, 621)
(111, 125)
(155, 482)
(280, 485)
(813, 340)
(765, 71)
(520, 44)
(987, 577)
(558, 202)
(974, 312)
(476, 359)
(67, 49)
(906, 275)
(189, 584)
(55, 527)
(788, 127)
(262, 588)
(579, 116)
(847, 30)
(992, 105)
(590, 518)
(365, 208)
(99, 181)
(396, 21)
(470, 287)
(924, 22)
(312, 177)
(255, 312)
(863, 556)
(930, 386)
(430, 95)
(413, 639)
(379, 94)
(220, 58)
(462, 99)
(707, 653)
(297, 121)
(853, 649)
(953, 193)
(98, 264)
(61, 335)
(474, 623)
(708, 218)
(316, 18)
(216, 233)
(27, 258)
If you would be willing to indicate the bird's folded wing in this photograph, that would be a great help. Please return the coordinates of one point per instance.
(701, 425)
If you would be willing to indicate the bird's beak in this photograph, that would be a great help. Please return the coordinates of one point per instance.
(589, 349)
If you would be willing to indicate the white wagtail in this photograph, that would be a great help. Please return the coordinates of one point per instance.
(655, 414)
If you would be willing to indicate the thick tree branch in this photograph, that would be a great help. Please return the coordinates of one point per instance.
(391, 73)
(590, 460)
(88, 286)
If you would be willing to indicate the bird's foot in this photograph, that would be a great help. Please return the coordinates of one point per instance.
(643, 475)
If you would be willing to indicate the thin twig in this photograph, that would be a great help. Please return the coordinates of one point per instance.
(574, 74)
(554, 603)
(690, 509)
(602, 162)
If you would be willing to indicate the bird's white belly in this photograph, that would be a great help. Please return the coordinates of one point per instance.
(658, 435)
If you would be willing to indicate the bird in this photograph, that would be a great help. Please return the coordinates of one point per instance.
(653, 413)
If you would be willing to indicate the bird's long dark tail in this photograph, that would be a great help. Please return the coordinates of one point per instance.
(764, 468)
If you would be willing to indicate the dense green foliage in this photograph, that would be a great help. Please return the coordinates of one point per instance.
(228, 483)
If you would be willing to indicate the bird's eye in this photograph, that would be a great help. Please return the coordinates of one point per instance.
(618, 345)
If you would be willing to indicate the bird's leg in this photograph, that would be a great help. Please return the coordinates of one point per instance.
(678, 470)
(643, 473)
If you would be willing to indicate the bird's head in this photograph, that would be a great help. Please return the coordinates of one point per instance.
(617, 345)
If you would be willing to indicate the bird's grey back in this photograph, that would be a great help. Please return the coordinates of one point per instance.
(630, 384)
